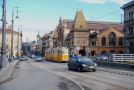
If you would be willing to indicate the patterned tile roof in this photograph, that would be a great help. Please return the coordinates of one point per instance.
(96, 25)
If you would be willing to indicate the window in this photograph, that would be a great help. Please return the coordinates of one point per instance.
(131, 31)
(112, 39)
(120, 41)
(131, 48)
(93, 43)
(131, 15)
(103, 41)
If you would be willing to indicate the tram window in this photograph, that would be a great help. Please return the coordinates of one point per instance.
(62, 52)
(58, 51)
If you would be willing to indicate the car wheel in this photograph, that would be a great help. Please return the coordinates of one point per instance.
(79, 69)
(69, 67)
(93, 70)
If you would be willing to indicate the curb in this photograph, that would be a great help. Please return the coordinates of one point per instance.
(68, 79)
(7, 71)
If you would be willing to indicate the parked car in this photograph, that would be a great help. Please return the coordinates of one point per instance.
(33, 56)
(102, 58)
(81, 63)
(24, 58)
(38, 59)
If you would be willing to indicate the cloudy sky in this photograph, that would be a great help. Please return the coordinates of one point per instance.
(43, 15)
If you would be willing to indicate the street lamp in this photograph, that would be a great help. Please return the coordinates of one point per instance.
(12, 34)
(18, 49)
(3, 50)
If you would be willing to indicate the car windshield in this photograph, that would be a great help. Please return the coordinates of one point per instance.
(84, 59)
(38, 57)
(23, 56)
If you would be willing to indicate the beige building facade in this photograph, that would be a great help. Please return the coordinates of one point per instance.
(78, 38)
(17, 41)
(75, 34)
(78, 35)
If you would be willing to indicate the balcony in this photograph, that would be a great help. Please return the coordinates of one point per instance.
(127, 22)
(93, 39)
(129, 36)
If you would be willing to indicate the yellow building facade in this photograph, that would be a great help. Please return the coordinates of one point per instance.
(108, 40)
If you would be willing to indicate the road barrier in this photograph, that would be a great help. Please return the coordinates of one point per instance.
(115, 64)
(7, 71)
(123, 57)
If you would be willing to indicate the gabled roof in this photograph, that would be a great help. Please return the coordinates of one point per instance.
(94, 25)
(9, 31)
(69, 23)
(79, 21)
(98, 25)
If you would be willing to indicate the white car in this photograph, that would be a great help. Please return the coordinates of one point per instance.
(38, 59)
(33, 56)
(102, 58)
(24, 58)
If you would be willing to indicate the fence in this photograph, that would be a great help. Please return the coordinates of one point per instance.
(123, 57)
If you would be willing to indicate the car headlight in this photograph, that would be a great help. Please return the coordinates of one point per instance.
(84, 65)
(95, 64)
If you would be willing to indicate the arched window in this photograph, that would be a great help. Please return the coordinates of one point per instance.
(131, 48)
(112, 39)
(103, 41)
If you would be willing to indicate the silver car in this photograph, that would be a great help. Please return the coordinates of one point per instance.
(24, 58)
(38, 59)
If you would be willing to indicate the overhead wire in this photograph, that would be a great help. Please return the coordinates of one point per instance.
(108, 14)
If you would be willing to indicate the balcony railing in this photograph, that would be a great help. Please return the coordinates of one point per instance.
(129, 21)
(129, 35)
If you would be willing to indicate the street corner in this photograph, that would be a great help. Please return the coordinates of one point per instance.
(67, 84)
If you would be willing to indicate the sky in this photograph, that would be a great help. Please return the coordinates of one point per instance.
(43, 15)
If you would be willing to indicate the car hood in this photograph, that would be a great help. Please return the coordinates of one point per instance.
(87, 62)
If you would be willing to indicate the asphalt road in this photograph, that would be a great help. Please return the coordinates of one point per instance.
(29, 77)
(102, 79)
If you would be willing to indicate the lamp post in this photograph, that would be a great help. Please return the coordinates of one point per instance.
(3, 50)
(18, 49)
(12, 34)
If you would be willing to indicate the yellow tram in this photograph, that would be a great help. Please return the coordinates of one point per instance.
(59, 54)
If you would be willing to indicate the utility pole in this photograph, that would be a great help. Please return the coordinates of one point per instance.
(3, 50)
(12, 34)
(18, 43)
(26, 47)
